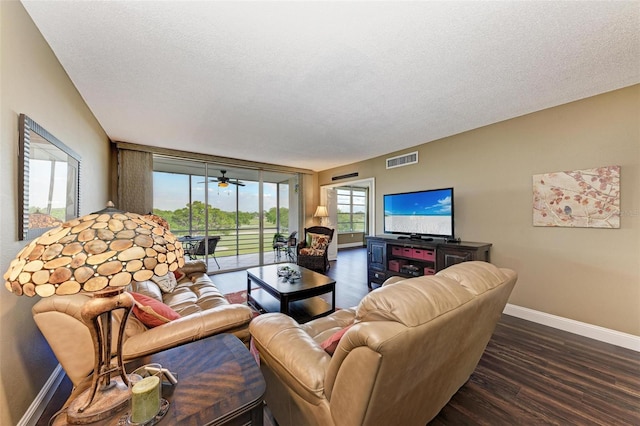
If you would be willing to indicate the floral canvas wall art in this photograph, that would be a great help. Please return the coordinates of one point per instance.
(587, 198)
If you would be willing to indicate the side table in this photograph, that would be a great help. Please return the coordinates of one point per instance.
(219, 383)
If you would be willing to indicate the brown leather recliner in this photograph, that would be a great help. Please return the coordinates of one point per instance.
(204, 312)
(411, 345)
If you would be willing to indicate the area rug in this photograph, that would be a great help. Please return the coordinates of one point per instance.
(240, 297)
(237, 297)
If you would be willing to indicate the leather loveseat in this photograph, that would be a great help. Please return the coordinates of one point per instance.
(203, 311)
(408, 347)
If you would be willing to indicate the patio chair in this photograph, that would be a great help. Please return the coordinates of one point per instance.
(198, 249)
(284, 244)
(292, 242)
(279, 243)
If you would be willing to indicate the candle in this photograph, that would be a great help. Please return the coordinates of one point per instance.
(145, 399)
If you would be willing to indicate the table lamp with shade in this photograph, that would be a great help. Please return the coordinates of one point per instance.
(100, 253)
(322, 213)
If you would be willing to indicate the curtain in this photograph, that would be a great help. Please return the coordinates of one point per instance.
(135, 181)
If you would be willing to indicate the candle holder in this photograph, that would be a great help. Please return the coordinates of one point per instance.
(146, 405)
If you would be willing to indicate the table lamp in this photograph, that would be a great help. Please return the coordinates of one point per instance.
(100, 253)
(321, 212)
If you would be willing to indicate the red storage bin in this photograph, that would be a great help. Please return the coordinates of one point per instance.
(407, 251)
(396, 251)
(424, 254)
(395, 265)
(429, 271)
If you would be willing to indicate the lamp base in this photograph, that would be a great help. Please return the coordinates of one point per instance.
(106, 403)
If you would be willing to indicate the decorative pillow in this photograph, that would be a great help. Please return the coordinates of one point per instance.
(319, 242)
(331, 344)
(167, 283)
(151, 312)
(178, 274)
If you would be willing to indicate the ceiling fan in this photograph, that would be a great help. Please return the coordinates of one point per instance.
(224, 181)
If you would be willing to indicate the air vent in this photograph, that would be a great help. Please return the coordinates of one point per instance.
(350, 175)
(402, 160)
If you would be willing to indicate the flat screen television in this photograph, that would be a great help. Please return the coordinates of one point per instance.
(420, 214)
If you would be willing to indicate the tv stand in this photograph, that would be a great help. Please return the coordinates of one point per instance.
(405, 256)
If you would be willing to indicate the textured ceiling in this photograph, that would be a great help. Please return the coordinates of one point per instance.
(321, 84)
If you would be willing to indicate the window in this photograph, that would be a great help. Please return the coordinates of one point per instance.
(352, 209)
(190, 196)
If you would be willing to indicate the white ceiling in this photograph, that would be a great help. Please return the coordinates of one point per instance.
(321, 84)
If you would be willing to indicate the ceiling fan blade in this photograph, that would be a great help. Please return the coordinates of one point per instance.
(237, 183)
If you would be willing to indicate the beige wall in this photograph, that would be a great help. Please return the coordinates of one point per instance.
(588, 275)
(33, 82)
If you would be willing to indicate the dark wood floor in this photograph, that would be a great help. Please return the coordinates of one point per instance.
(529, 374)
(532, 374)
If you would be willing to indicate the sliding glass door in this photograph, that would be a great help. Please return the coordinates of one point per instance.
(226, 215)
(280, 225)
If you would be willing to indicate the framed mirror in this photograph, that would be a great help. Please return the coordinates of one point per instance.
(49, 179)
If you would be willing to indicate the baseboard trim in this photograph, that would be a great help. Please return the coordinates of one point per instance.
(37, 407)
(628, 341)
(350, 245)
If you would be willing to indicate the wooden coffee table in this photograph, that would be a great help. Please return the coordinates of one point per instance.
(298, 299)
(219, 383)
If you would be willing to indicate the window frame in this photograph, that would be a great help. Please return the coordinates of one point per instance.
(360, 191)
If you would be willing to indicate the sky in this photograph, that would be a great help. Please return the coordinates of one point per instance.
(39, 180)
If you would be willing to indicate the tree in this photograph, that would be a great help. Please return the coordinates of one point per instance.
(218, 219)
(271, 216)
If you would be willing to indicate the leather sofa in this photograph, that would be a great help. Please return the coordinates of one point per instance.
(203, 310)
(409, 346)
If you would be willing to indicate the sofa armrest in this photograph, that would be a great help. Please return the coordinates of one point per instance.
(196, 326)
(322, 328)
(302, 244)
(192, 266)
(292, 354)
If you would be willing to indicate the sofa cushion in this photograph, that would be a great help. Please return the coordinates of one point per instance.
(194, 295)
(151, 312)
(413, 302)
(308, 251)
(148, 288)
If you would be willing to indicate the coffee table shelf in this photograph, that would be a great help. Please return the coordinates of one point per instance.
(302, 310)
